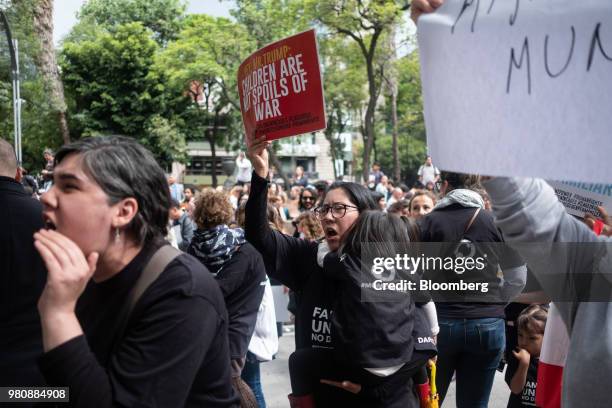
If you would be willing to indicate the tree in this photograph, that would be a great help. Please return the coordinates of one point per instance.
(411, 151)
(40, 125)
(410, 101)
(342, 69)
(364, 21)
(271, 20)
(391, 80)
(208, 46)
(43, 27)
(201, 65)
(114, 90)
(410, 122)
(162, 17)
(162, 132)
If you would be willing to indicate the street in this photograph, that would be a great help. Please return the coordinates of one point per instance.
(276, 385)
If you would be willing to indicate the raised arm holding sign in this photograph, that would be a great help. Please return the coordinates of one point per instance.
(280, 89)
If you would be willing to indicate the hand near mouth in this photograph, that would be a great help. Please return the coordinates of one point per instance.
(68, 271)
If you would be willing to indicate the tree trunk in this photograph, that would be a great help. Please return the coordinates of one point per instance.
(334, 156)
(213, 153)
(392, 73)
(369, 120)
(333, 153)
(373, 89)
(63, 123)
(47, 64)
(396, 162)
(329, 135)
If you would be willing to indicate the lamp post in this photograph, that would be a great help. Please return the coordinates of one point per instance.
(14, 53)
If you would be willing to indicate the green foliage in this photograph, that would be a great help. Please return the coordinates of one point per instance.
(357, 18)
(162, 17)
(162, 132)
(207, 54)
(206, 49)
(342, 68)
(108, 77)
(366, 22)
(128, 67)
(113, 88)
(412, 153)
(268, 21)
(409, 99)
(411, 123)
(38, 122)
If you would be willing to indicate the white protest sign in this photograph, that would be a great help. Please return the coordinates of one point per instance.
(519, 88)
(580, 198)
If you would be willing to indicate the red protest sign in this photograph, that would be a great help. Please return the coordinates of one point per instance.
(280, 89)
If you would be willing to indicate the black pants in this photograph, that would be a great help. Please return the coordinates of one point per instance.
(308, 366)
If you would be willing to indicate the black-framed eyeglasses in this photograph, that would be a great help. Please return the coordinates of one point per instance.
(308, 198)
(337, 210)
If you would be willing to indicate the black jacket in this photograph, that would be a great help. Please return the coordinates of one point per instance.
(374, 328)
(448, 225)
(174, 352)
(293, 262)
(22, 279)
(242, 281)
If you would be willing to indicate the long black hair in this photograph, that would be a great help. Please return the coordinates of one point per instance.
(377, 234)
(357, 194)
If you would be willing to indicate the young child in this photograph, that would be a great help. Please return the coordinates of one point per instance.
(373, 337)
(522, 371)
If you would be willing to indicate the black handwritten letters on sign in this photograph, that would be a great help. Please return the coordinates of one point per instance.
(522, 58)
(523, 86)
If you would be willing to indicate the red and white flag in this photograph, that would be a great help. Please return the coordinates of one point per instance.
(552, 360)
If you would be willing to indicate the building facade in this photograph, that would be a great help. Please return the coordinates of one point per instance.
(311, 151)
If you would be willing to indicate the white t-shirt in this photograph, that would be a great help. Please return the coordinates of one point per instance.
(244, 170)
(428, 173)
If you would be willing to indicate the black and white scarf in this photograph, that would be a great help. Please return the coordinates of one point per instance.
(214, 247)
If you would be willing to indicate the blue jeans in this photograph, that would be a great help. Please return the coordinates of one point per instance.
(252, 376)
(473, 349)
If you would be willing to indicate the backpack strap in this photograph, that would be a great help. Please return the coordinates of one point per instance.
(469, 224)
(156, 265)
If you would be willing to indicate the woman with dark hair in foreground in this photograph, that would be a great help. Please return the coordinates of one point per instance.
(107, 214)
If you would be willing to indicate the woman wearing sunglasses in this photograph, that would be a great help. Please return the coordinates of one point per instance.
(297, 263)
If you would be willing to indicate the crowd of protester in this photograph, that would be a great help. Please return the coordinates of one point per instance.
(133, 289)
(306, 237)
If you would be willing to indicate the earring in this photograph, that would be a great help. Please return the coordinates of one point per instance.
(117, 236)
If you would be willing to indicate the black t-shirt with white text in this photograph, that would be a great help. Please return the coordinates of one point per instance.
(527, 396)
